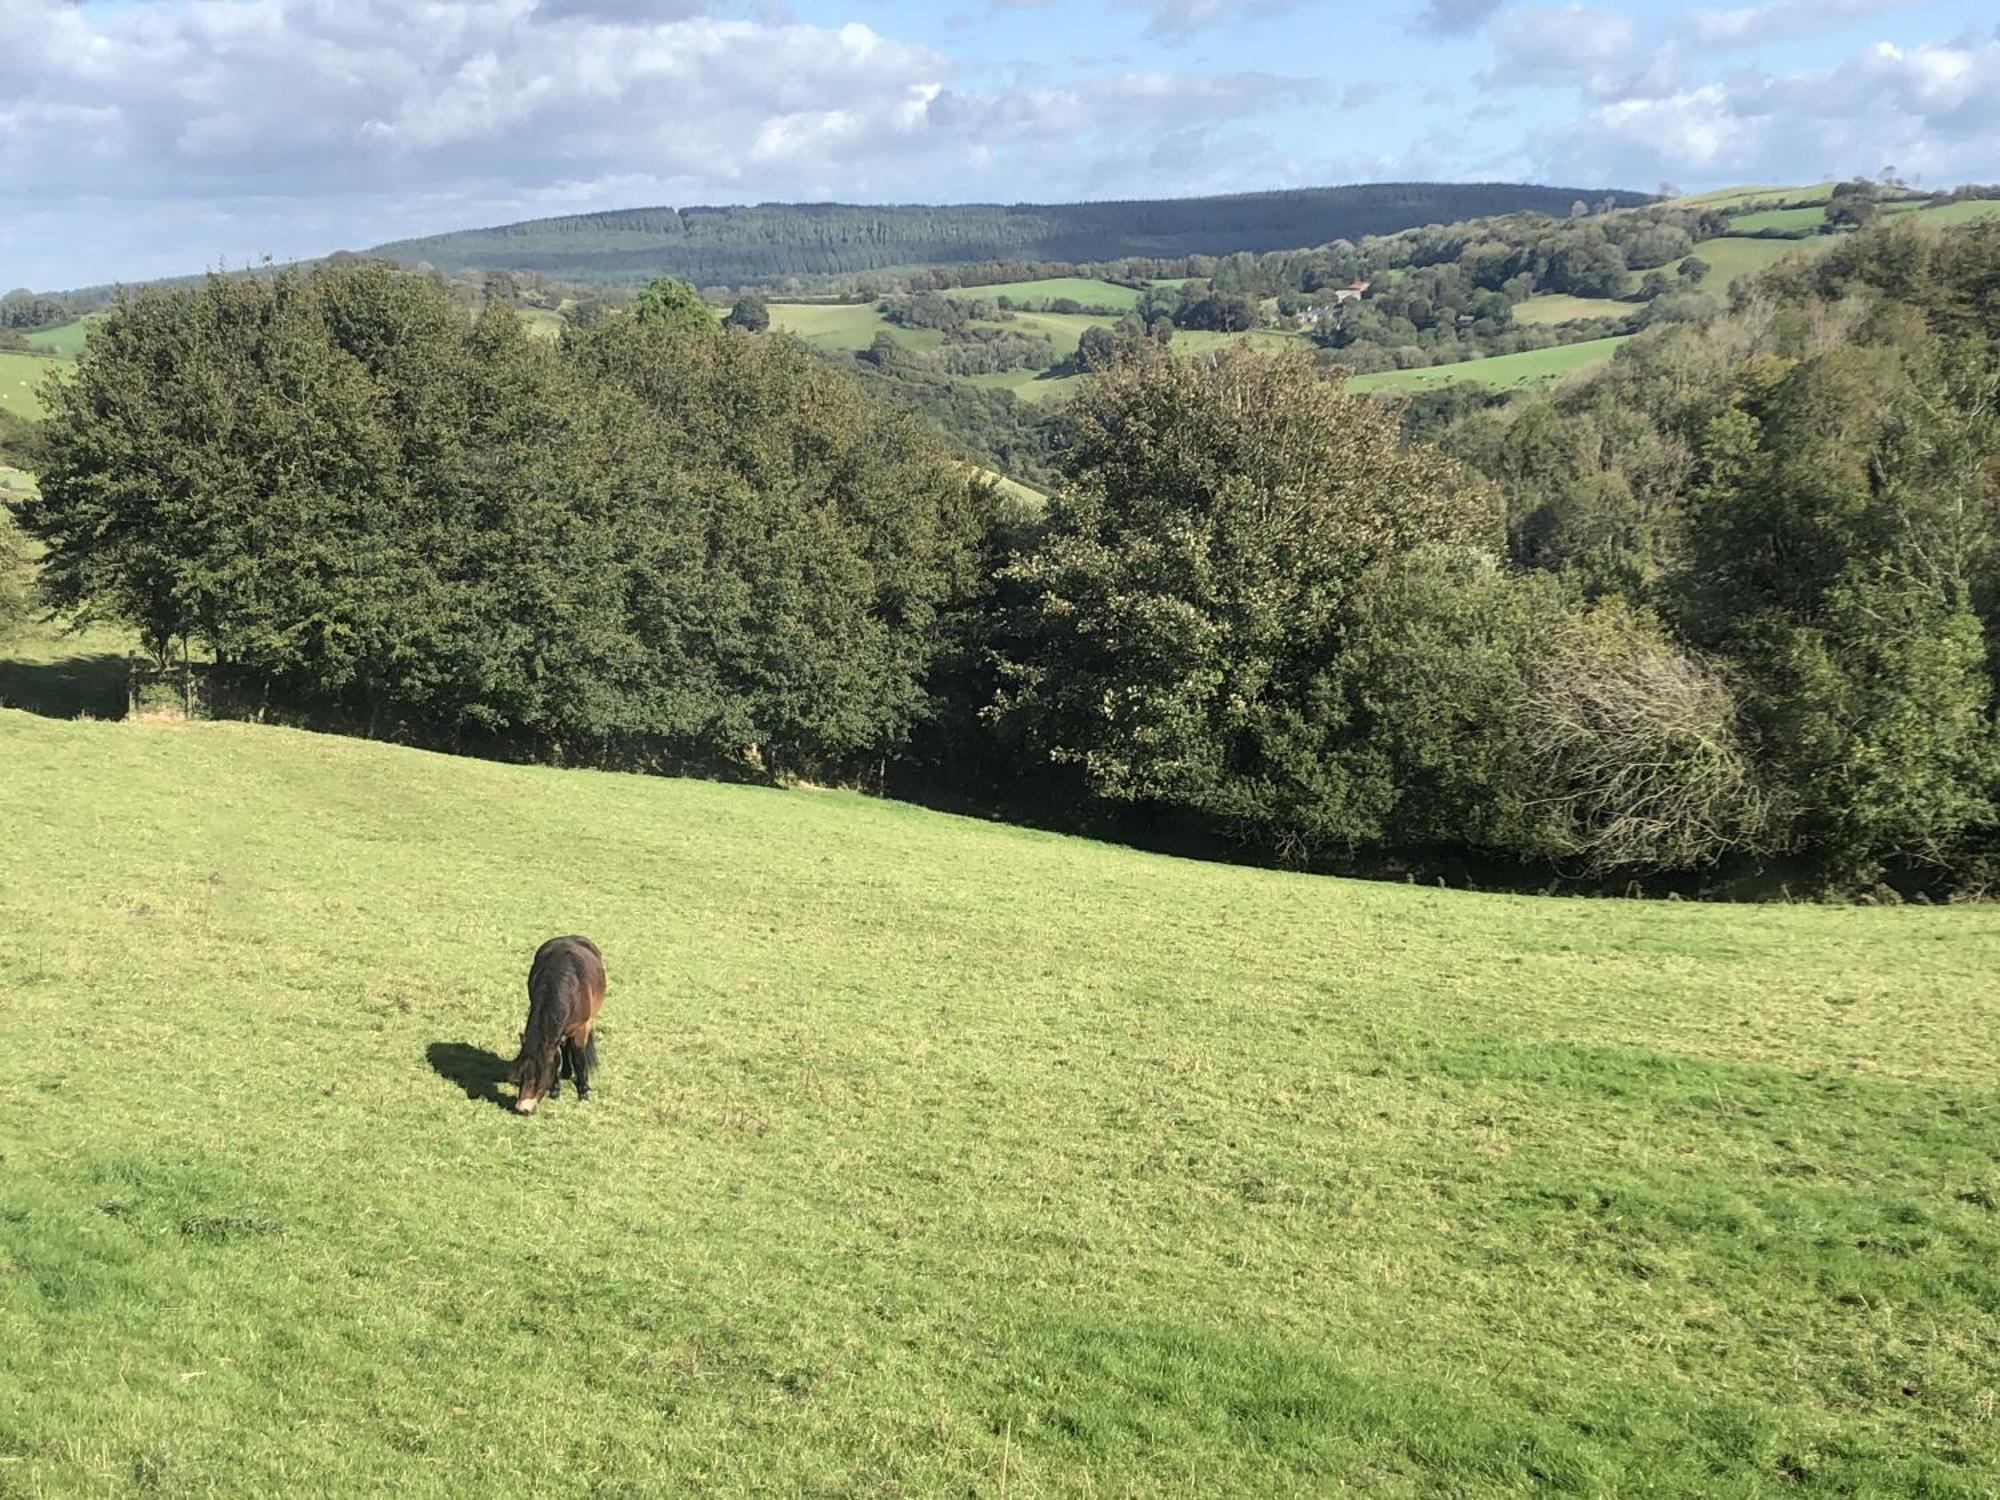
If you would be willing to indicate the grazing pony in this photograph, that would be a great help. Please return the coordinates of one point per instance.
(565, 992)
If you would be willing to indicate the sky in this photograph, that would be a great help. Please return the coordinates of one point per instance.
(144, 138)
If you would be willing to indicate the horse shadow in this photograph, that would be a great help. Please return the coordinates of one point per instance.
(479, 1072)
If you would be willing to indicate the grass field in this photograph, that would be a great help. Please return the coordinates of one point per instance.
(1560, 307)
(1504, 372)
(1807, 217)
(543, 322)
(20, 381)
(1084, 289)
(845, 325)
(1029, 385)
(1730, 258)
(66, 339)
(933, 1156)
(1819, 192)
(1965, 211)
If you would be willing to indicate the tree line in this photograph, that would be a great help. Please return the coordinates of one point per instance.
(1736, 601)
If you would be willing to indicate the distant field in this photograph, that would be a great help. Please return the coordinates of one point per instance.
(1809, 217)
(65, 339)
(1026, 494)
(845, 325)
(1730, 197)
(1504, 372)
(1731, 258)
(20, 377)
(542, 322)
(1561, 307)
(1966, 211)
(1080, 288)
(1029, 385)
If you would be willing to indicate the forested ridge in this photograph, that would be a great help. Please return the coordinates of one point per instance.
(735, 245)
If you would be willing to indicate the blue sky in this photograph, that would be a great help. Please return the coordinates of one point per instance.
(150, 137)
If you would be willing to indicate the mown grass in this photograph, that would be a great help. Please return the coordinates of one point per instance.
(1560, 307)
(1804, 217)
(933, 1156)
(21, 378)
(1504, 372)
(1965, 211)
(66, 339)
(1085, 289)
(1729, 258)
(1781, 197)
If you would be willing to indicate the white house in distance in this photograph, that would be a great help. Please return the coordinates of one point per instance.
(1354, 291)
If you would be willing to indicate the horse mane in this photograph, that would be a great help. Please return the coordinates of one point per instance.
(535, 1067)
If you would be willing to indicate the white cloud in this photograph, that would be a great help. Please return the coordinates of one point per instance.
(1932, 111)
(1176, 18)
(1454, 17)
(1560, 44)
(294, 126)
(1780, 20)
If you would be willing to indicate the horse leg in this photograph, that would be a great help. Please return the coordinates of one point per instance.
(566, 1068)
(585, 1054)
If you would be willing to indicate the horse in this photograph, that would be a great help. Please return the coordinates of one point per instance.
(565, 992)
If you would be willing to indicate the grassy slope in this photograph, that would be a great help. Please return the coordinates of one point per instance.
(1734, 196)
(1083, 289)
(939, 1157)
(1561, 307)
(851, 325)
(1502, 371)
(1966, 211)
(21, 379)
(1729, 258)
(65, 339)
(1807, 217)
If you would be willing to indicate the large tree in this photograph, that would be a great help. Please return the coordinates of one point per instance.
(1179, 614)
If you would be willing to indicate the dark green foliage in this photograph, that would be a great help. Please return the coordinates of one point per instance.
(23, 311)
(669, 303)
(17, 579)
(992, 427)
(1180, 614)
(750, 314)
(1811, 489)
(734, 245)
(651, 545)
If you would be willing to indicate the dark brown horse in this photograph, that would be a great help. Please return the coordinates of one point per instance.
(565, 992)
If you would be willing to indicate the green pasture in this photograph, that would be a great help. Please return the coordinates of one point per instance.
(1734, 197)
(1505, 372)
(1029, 385)
(1807, 217)
(1084, 289)
(933, 1156)
(1560, 307)
(20, 382)
(1729, 258)
(543, 322)
(845, 325)
(1965, 211)
(66, 339)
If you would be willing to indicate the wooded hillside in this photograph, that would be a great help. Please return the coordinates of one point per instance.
(729, 245)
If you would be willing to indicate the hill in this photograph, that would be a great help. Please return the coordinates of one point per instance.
(937, 1156)
(732, 245)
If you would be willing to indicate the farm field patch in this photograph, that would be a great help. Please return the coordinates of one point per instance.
(1502, 372)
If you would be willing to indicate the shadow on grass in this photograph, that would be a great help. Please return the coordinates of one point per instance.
(479, 1072)
(88, 683)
